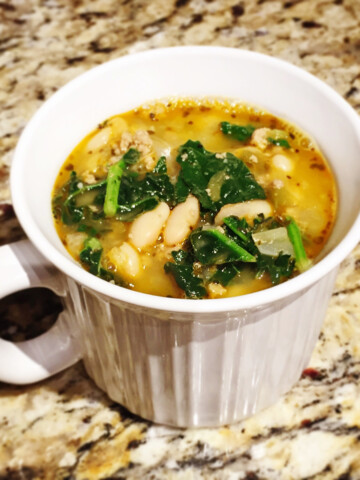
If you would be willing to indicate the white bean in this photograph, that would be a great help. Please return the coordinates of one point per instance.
(249, 210)
(126, 260)
(282, 162)
(146, 229)
(182, 219)
(99, 140)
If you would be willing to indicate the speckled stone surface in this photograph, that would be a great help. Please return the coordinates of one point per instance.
(65, 428)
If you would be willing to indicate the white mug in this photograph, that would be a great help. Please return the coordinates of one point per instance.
(175, 361)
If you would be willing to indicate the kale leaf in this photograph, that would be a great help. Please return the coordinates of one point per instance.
(229, 251)
(128, 212)
(278, 268)
(212, 247)
(139, 194)
(113, 181)
(225, 273)
(123, 193)
(239, 132)
(131, 156)
(160, 167)
(90, 256)
(279, 142)
(183, 273)
(198, 166)
(65, 204)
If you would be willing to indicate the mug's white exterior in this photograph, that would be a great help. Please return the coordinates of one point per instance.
(194, 379)
(197, 370)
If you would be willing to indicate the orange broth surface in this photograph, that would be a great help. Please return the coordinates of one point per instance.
(297, 181)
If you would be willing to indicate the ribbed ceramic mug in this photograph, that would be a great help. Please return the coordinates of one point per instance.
(174, 361)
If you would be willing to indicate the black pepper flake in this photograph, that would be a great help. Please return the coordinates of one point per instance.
(310, 24)
(317, 166)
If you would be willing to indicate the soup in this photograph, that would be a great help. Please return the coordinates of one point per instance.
(195, 199)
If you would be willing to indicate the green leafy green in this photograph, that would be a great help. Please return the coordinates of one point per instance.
(198, 166)
(160, 167)
(65, 205)
(212, 247)
(278, 268)
(131, 156)
(113, 181)
(75, 190)
(83, 227)
(302, 260)
(90, 256)
(241, 232)
(183, 273)
(112, 188)
(182, 190)
(127, 213)
(239, 132)
(239, 227)
(279, 142)
(225, 273)
(139, 194)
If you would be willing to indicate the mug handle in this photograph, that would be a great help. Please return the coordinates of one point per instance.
(21, 267)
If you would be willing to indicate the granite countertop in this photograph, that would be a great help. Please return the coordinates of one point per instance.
(65, 428)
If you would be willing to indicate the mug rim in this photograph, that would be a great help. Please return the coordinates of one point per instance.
(155, 302)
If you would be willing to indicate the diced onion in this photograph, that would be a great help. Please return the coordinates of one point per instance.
(273, 242)
(215, 184)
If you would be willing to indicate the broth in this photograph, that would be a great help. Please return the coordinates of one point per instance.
(238, 196)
